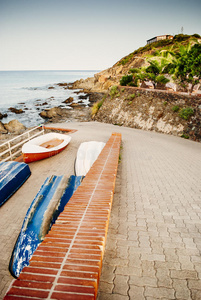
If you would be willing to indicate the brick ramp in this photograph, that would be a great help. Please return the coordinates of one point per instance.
(67, 264)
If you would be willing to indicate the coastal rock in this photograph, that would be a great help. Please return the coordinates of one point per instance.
(15, 126)
(62, 84)
(3, 116)
(95, 97)
(52, 113)
(16, 111)
(75, 105)
(2, 128)
(68, 100)
(83, 97)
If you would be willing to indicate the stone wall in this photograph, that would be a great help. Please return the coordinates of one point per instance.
(152, 110)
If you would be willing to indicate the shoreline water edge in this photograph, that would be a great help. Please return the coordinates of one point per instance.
(74, 105)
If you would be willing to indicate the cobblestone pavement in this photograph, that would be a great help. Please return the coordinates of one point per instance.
(154, 240)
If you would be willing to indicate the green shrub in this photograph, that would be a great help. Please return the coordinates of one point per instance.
(126, 79)
(126, 59)
(181, 37)
(175, 108)
(196, 35)
(134, 70)
(114, 91)
(185, 113)
(132, 84)
(161, 79)
(185, 136)
(95, 108)
(132, 96)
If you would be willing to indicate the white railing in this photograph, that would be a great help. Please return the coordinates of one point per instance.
(13, 146)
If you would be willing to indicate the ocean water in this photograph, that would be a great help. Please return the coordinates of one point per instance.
(29, 90)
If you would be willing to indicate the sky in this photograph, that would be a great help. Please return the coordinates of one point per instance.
(86, 35)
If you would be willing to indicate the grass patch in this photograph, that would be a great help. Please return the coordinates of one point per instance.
(185, 136)
(175, 108)
(132, 96)
(95, 108)
(186, 113)
(114, 91)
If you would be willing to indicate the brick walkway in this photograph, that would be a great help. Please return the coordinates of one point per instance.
(154, 238)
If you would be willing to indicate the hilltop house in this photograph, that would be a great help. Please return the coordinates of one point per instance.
(159, 37)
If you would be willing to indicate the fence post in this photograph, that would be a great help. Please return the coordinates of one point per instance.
(11, 156)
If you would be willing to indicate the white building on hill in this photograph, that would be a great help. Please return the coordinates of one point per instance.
(159, 37)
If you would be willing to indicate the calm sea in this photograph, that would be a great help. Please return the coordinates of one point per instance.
(29, 90)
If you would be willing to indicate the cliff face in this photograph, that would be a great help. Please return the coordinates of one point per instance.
(155, 110)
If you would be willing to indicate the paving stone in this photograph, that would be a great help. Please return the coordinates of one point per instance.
(164, 279)
(160, 292)
(105, 296)
(132, 270)
(186, 263)
(194, 284)
(121, 285)
(196, 294)
(105, 287)
(148, 269)
(107, 273)
(136, 292)
(182, 291)
(153, 257)
(183, 274)
(143, 281)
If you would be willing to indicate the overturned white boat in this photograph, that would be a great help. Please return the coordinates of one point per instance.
(87, 153)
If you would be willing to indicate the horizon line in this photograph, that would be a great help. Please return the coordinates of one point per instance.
(83, 70)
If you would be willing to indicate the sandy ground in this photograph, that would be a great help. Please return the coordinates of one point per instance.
(153, 245)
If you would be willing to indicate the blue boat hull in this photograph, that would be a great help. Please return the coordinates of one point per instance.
(12, 175)
(42, 213)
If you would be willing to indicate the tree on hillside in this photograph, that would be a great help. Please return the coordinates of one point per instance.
(187, 67)
(154, 73)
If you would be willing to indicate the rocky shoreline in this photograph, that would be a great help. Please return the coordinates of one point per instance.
(140, 108)
(71, 109)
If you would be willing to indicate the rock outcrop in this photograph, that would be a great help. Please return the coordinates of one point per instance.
(16, 111)
(14, 126)
(2, 128)
(52, 113)
(68, 100)
(3, 116)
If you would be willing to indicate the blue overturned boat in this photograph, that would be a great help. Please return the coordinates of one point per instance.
(12, 175)
(41, 215)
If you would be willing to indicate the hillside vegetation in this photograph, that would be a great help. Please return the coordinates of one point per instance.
(182, 54)
(165, 65)
(175, 62)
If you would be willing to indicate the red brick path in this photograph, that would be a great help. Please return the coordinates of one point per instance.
(67, 264)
